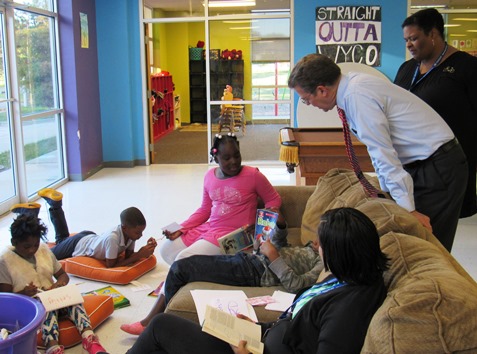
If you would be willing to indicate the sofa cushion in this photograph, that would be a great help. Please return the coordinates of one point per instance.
(93, 269)
(182, 303)
(293, 203)
(430, 307)
(99, 308)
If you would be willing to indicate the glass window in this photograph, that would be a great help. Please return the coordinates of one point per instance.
(31, 117)
(269, 83)
(36, 62)
(271, 40)
(239, 7)
(40, 115)
(461, 31)
(460, 22)
(238, 38)
(8, 190)
(42, 152)
(173, 9)
(40, 4)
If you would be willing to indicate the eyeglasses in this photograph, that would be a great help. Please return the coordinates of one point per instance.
(307, 99)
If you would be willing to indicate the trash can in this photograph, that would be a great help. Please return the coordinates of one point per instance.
(23, 316)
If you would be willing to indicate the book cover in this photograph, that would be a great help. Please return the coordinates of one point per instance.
(264, 227)
(119, 300)
(237, 240)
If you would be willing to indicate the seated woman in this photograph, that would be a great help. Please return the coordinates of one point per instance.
(331, 316)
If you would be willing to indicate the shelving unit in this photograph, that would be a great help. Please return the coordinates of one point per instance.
(222, 73)
(163, 109)
(177, 111)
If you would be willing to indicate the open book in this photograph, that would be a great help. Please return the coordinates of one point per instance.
(232, 329)
(237, 240)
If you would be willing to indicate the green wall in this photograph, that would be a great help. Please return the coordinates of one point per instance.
(171, 53)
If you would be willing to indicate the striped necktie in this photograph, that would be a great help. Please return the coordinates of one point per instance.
(368, 187)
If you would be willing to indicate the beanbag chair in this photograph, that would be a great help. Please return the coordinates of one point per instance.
(430, 307)
(98, 308)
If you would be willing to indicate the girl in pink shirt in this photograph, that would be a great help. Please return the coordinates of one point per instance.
(229, 201)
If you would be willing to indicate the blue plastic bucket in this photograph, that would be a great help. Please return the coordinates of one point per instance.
(23, 316)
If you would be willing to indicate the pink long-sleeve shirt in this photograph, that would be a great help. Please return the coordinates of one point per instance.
(228, 204)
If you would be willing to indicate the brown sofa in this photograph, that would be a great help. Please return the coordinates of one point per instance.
(431, 305)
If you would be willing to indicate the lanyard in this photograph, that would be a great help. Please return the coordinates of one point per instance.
(315, 290)
(416, 72)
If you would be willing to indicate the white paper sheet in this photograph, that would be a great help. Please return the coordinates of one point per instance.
(282, 302)
(230, 301)
(60, 297)
(173, 227)
(138, 286)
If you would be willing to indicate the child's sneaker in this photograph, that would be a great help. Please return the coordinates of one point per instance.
(26, 208)
(56, 349)
(91, 344)
(52, 197)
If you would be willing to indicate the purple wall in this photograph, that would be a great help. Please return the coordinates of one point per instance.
(80, 90)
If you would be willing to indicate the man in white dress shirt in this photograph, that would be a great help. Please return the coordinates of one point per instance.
(414, 152)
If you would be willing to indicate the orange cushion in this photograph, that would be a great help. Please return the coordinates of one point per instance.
(98, 307)
(93, 269)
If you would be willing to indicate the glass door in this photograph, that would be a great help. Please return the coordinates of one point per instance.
(39, 110)
(8, 190)
(249, 50)
(32, 153)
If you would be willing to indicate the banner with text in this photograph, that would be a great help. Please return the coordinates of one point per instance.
(349, 33)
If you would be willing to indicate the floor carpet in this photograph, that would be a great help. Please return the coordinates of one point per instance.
(260, 143)
(196, 127)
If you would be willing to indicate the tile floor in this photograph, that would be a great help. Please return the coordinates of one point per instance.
(165, 193)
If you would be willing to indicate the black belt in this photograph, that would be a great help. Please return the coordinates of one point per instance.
(446, 147)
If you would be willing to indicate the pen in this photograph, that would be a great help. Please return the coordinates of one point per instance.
(155, 239)
(37, 289)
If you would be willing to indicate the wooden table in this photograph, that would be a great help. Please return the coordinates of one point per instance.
(321, 149)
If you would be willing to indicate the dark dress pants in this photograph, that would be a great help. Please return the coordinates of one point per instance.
(176, 335)
(439, 187)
